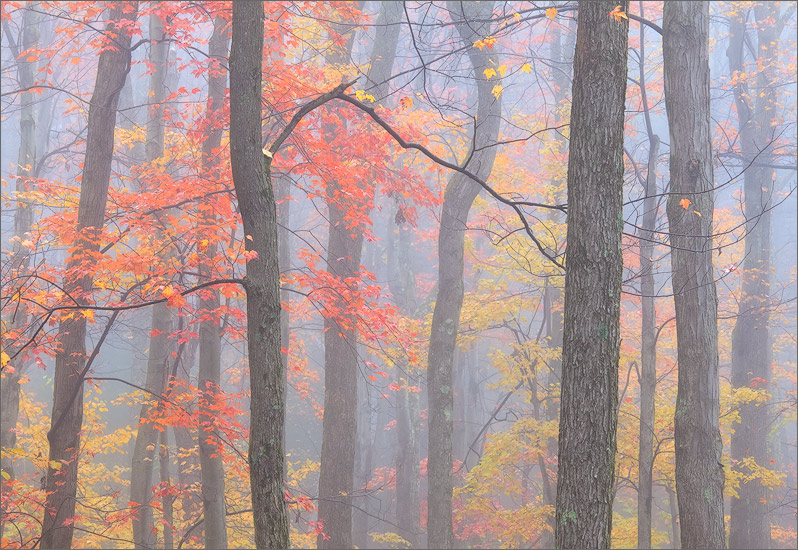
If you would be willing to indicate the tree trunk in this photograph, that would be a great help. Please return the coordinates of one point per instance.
(459, 195)
(168, 500)
(210, 336)
(339, 428)
(23, 220)
(591, 337)
(699, 472)
(648, 329)
(252, 181)
(749, 526)
(67, 415)
(159, 349)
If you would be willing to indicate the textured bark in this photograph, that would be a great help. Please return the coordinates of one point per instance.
(67, 415)
(23, 220)
(159, 348)
(189, 476)
(591, 337)
(210, 336)
(458, 197)
(339, 428)
(699, 473)
(749, 526)
(252, 181)
(676, 536)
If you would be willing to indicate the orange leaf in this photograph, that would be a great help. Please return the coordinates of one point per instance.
(684, 203)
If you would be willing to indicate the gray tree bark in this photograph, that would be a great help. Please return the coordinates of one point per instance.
(699, 472)
(339, 427)
(159, 349)
(591, 337)
(648, 329)
(67, 415)
(210, 336)
(458, 197)
(23, 220)
(252, 181)
(749, 526)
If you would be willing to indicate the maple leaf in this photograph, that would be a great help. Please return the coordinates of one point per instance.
(551, 13)
(4, 359)
(617, 14)
(406, 103)
(489, 73)
(684, 203)
(497, 90)
(361, 95)
(526, 68)
(517, 16)
(502, 70)
(488, 42)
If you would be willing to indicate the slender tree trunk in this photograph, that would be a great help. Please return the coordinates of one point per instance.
(159, 349)
(23, 220)
(591, 337)
(168, 500)
(459, 195)
(676, 536)
(252, 180)
(210, 337)
(339, 429)
(67, 416)
(749, 526)
(189, 476)
(699, 472)
(648, 329)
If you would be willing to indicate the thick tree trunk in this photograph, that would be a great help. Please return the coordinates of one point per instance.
(67, 416)
(159, 349)
(252, 180)
(459, 195)
(699, 472)
(210, 336)
(23, 220)
(339, 429)
(749, 526)
(591, 337)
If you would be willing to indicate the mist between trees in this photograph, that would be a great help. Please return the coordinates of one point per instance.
(399, 275)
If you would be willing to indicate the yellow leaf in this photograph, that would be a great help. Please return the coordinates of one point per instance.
(406, 103)
(684, 203)
(168, 291)
(361, 95)
(526, 68)
(551, 13)
(4, 359)
(497, 90)
(517, 16)
(697, 213)
(88, 314)
(55, 465)
(502, 70)
(6, 475)
(489, 73)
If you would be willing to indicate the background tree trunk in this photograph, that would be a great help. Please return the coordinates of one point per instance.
(749, 526)
(252, 181)
(210, 336)
(339, 428)
(699, 472)
(23, 220)
(591, 337)
(460, 194)
(159, 348)
(67, 416)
